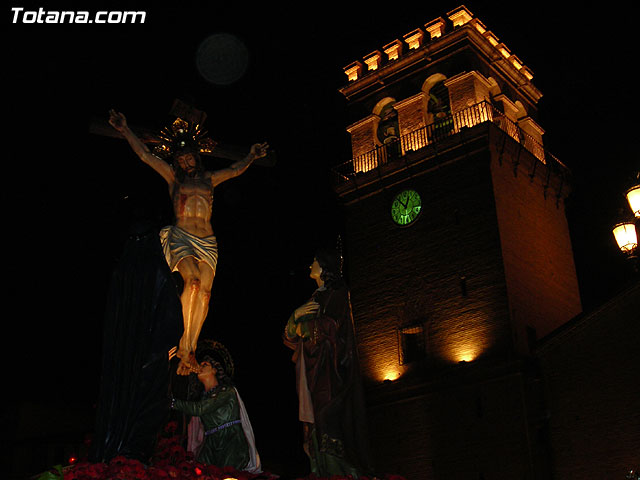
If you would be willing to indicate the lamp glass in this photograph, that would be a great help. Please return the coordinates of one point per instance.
(633, 197)
(626, 237)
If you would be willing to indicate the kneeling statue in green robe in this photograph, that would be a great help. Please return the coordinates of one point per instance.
(222, 434)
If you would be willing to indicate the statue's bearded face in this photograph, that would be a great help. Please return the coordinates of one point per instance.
(189, 163)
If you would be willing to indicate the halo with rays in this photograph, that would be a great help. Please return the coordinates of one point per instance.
(183, 135)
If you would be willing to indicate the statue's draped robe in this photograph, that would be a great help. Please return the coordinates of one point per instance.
(229, 438)
(143, 321)
(329, 386)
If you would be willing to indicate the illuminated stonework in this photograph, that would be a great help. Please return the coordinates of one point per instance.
(390, 374)
(465, 354)
(470, 338)
(435, 28)
(353, 71)
(460, 16)
(515, 61)
(393, 50)
(504, 50)
(493, 40)
(414, 39)
(532, 136)
(365, 157)
(373, 60)
(479, 26)
(463, 350)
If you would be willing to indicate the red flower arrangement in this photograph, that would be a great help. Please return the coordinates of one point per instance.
(170, 462)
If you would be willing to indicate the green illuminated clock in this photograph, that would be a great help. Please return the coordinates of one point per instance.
(406, 207)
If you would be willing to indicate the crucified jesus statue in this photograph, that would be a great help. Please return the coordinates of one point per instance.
(189, 245)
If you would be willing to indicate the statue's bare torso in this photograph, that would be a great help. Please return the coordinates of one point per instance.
(192, 205)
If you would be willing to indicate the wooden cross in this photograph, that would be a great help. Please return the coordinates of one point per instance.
(181, 109)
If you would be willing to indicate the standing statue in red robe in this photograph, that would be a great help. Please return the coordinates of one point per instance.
(331, 404)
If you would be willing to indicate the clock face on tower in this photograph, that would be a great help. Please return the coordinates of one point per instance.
(406, 207)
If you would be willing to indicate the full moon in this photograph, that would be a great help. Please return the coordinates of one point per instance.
(222, 59)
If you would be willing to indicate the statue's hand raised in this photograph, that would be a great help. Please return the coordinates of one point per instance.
(309, 308)
(117, 120)
(258, 150)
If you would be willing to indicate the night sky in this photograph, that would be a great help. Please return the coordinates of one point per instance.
(71, 194)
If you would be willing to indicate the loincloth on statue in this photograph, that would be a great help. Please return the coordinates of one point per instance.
(178, 244)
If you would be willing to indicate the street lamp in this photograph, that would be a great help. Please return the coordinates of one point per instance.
(625, 232)
(626, 237)
(633, 197)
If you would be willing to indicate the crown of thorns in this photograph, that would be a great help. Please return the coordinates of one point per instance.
(180, 136)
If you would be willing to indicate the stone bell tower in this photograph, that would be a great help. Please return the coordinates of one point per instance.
(457, 250)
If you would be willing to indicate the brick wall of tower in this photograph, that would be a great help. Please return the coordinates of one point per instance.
(536, 247)
(467, 89)
(362, 137)
(411, 115)
(402, 275)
